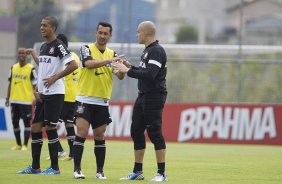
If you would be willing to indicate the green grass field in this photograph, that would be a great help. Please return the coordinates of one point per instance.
(186, 164)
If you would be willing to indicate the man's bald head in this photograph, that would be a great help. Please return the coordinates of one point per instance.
(146, 32)
(148, 27)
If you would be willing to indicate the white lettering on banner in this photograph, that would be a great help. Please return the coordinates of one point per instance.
(227, 123)
(120, 127)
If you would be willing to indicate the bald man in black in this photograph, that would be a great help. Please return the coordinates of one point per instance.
(148, 107)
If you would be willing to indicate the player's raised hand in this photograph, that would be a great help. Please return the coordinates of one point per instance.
(29, 51)
(118, 58)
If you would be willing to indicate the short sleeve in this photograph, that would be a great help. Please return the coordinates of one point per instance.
(64, 53)
(10, 74)
(85, 54)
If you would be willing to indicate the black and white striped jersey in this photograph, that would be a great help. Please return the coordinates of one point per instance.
(151, 73)
(52, 60)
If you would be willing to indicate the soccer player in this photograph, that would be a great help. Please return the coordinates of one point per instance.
(22, 80)
(95, 84)
(55, 62)
(67, 114)
(148, 107)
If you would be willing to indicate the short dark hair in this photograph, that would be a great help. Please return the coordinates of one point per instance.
(63, 38)
(52, 20)
(105, 24)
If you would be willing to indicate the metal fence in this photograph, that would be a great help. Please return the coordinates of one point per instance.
(205, 81)
(215, 74)
(202, 74)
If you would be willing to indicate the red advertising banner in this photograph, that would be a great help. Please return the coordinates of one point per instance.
(208, 123)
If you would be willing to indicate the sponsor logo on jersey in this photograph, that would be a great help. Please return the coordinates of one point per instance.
(44, 60)
(18, 76)
(85, 52)
(99, 73)
(51, 51)
(74, 73)
(63, 50)
(17, 82)
(142, 64)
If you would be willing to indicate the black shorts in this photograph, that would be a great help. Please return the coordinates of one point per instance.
(21, 111)
(67, 113)
(49, 110)
(96, 115)
(147, 111)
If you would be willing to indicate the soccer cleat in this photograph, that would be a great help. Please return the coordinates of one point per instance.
(159, 178)
(101, 176)
(61, 155)
(17, 147)
(134, 176)
(24, 148)
(29, 170)
(78, 174)
(50, 171)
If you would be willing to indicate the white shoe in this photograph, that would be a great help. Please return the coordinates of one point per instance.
(159, 178)
(100, 176)
(62, 154)
(78, 175)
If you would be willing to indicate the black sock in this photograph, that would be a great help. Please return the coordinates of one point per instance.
(26, 131)
(78, 146)
(60, 148)
(26, 135)
(53, 147)
(161, 168)
(71, 137)
(100, 153)
(17, 133)
(138, 167)
(36, 146)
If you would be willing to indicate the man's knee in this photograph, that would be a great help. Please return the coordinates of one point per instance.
(139, 140)
(82, 127)
(36, 127)
(99, 133)
(27, 123)
(156, 136)
(16, 124)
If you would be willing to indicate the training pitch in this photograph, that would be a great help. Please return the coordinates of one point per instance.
(186, 164)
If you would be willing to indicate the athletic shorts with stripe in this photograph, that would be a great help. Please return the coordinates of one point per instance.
(49, 110)
(96, 115)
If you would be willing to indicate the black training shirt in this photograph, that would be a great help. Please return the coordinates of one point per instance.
(151, 73)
